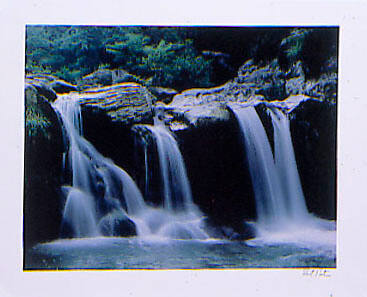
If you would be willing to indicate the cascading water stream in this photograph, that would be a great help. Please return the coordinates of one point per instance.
(176, 186)
(182, 217)
(278, 191)
(286, 167)
(270, 205)
(98, 186)
(282, 212)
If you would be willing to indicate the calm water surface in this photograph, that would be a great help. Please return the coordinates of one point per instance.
(132, 253)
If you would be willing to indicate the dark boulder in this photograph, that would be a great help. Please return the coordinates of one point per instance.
(239, 231)
(117, 223)
(43, 89)
(109, 113)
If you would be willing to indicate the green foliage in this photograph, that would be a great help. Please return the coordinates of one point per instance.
(314, 47)
(175, 64)
(36, 123)
(293, 43)
(163, 56)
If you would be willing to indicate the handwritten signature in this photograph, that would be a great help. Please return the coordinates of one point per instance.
(316, 272)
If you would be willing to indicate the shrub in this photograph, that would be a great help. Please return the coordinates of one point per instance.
(156, 54)
(36, 123)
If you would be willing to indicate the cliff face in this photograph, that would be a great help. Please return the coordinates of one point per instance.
(44, 149)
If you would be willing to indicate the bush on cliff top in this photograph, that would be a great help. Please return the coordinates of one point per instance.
(165, 55)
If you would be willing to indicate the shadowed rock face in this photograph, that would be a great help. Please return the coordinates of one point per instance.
(42, 170)
(313, 128)
(217, 170)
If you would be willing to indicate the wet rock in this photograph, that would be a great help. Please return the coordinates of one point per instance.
(117, 224)
(241, 231)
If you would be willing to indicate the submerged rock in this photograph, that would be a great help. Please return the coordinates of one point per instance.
(240, 231)
(117, 224)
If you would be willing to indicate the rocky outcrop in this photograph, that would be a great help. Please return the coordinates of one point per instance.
(127, 103)
(254, 84)
(267, 80)
(201, 106)
(49, 86)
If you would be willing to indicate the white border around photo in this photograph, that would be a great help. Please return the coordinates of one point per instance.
(348, 279)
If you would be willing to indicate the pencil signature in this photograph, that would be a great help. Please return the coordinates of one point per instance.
(316, 272)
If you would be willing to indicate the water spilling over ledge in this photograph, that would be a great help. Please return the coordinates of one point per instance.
(102, 193)
(281, 209)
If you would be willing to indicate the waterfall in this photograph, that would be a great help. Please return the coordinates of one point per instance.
(285, 163)
(182, 218)
(278, 191)
(100, 193)
(97, 185)
(176, 186)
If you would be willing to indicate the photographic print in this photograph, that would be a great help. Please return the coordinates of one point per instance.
(152, 147)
